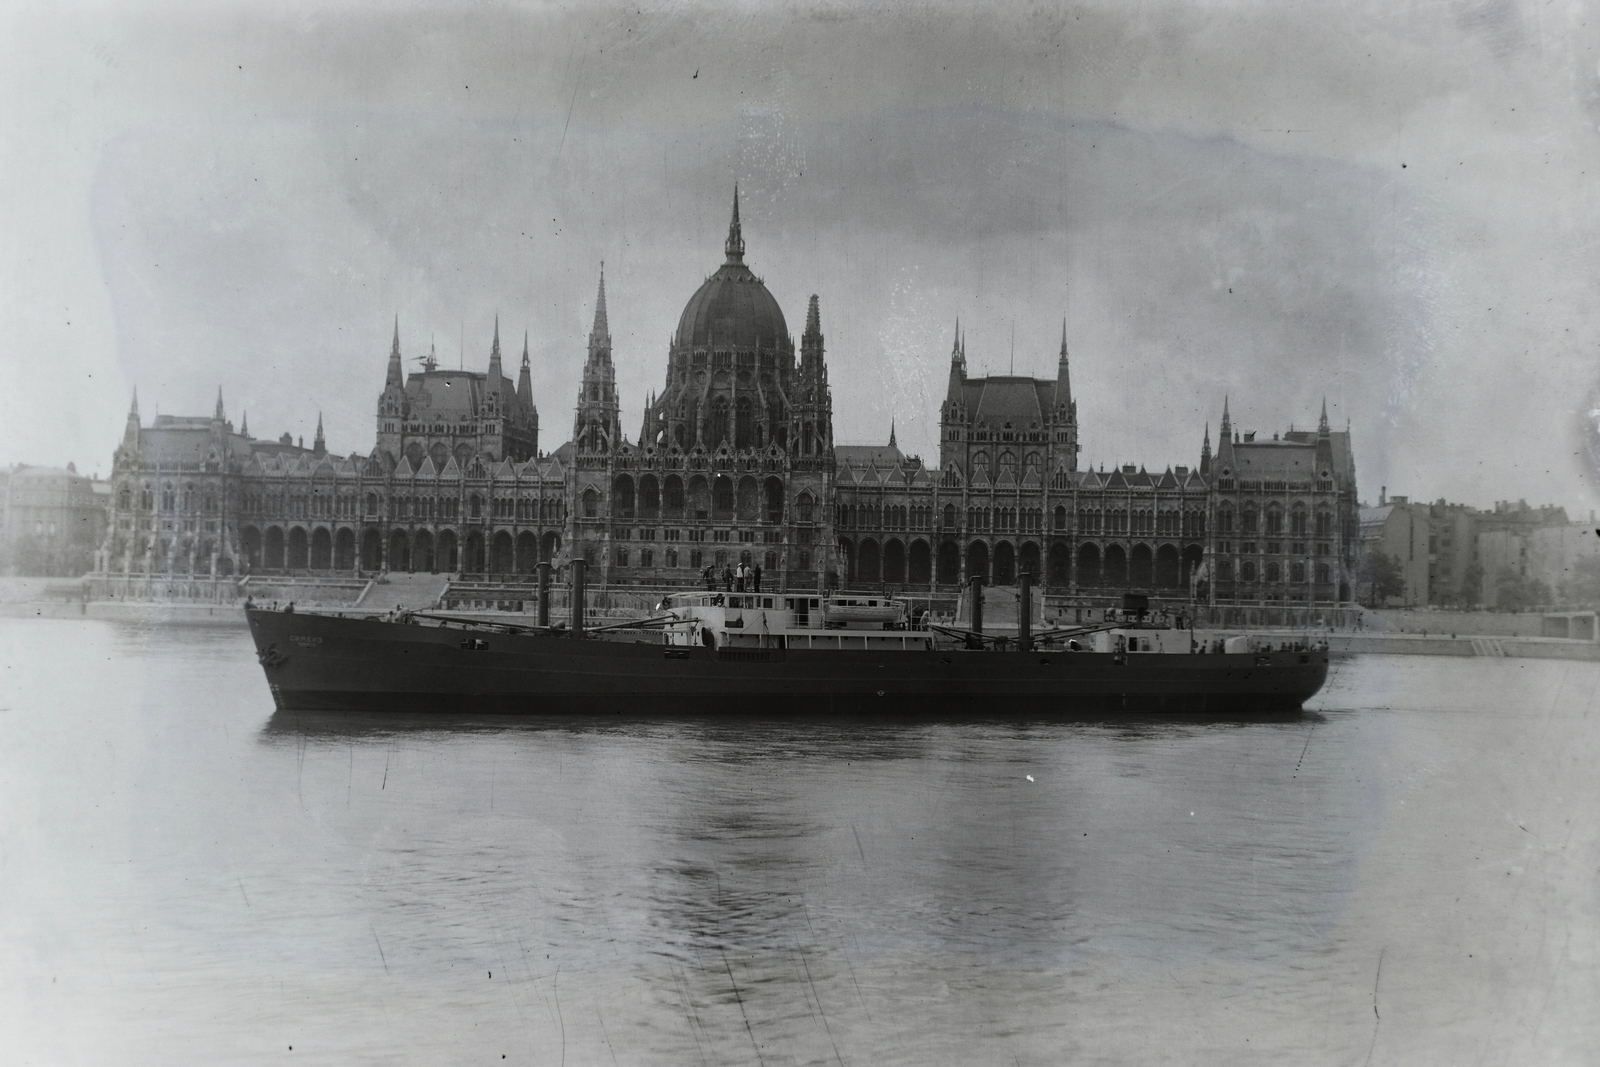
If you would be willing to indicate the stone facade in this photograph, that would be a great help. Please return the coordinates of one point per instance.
(51, 521)
(736, 461)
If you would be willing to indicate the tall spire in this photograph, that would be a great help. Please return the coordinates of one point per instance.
(319, 444)
(1322, 423)
(735, 244)
(811, 346)
(1227, 424)
(244, 424)
(891, 432)
(1205, 450)
(1063, 376)
(130, 432)
(395, 375)
(524, 379)
(601, 333)
(217, 414)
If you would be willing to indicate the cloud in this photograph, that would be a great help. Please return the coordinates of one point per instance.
(1389, 206)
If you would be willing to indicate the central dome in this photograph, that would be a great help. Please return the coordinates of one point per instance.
(733, 309)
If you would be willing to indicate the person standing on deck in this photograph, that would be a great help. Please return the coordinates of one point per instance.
(756, 575)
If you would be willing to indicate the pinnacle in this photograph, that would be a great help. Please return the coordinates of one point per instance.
(735, 243)
(602, 327)
(813, 318)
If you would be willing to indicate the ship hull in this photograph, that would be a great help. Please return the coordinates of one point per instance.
(318, 662)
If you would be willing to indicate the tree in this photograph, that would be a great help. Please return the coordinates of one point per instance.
(1380, 576)
(1514, 591)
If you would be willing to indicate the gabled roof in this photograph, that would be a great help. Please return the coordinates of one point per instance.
(1287, 460)
(886, 457)
(998, 400)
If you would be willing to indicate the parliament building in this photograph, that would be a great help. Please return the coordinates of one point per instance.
(735, 460)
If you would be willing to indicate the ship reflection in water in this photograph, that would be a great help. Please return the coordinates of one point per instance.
(721, 890)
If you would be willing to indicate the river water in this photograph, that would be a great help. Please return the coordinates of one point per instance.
(1405, 874)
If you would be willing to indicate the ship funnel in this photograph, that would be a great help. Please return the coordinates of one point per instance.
(1025, 612)
(544, 594)
(577, 597)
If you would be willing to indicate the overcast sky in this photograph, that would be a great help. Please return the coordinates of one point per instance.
(1389, 205)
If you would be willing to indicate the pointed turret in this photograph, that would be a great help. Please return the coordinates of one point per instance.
(130, 434)
(319, 444)
(1065, 413)
(602, 325)
(958, 367)
(735, 244)
(1205, 451)
(525, 379)
(596, 424)
(1225, 441)
(217, 414)
(1063, 376)
(244, 424)
(891, 433)
(811, 342)
(496, 375)
(1325, 461)
(395, 375)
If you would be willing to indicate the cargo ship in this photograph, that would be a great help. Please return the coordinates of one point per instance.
(722, 652)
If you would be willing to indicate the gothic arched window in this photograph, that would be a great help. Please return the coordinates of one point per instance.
(744, 429)
(719, 421)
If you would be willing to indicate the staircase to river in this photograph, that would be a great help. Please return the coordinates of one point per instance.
(412, 591)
